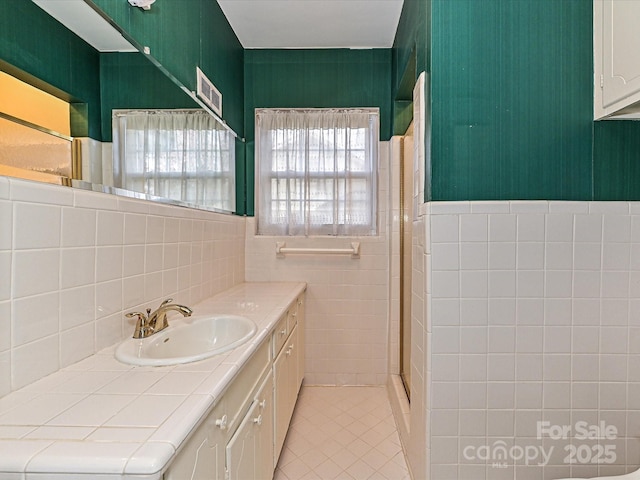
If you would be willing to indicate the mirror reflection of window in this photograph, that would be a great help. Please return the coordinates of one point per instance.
(184, 155)
(35, 126)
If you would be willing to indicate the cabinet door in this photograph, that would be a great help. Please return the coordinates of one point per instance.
(300, 357)
(202, 457)
(264, 464)
(281, 400)
(292, 360)
(198, 462)
(620, 50)
(242, 449)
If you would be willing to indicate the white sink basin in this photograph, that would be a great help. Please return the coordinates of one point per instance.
(189, 340)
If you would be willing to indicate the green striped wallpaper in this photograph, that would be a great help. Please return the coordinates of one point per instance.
(511, 102)
(616, 160)
(511, 99)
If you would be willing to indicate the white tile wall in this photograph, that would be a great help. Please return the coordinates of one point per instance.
(535, 314)
(72, 262)
(347, 299)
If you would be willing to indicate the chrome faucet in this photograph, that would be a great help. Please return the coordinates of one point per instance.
(154, 322)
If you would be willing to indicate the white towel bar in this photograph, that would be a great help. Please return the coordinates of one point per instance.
(354, 251)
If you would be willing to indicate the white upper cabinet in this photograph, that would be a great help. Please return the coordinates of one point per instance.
(616, 30)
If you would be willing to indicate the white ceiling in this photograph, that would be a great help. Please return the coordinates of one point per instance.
(313, 23)
(80, 18)
(261, 23)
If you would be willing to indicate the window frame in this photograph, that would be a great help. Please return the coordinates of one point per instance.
(370, 149)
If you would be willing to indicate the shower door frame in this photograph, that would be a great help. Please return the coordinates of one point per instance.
(405, 244)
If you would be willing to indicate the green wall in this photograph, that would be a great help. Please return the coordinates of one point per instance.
(511, 90)
(412, 44)
(183, 34)
(318, 78)
(511, 101)
(616, 160)
(37, 49)
(314, 79)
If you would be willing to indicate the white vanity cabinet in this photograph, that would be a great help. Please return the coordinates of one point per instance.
(616, 58)
(242, 436)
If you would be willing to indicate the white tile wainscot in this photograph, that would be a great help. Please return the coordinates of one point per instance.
(531, 313)
(101, 417)
(73, 261)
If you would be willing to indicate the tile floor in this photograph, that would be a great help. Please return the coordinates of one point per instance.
(345, 433)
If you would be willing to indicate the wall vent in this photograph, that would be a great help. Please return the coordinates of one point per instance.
(208, 93)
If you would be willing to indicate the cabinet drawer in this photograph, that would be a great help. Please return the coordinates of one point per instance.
(243, 387)
(292, 315)
(281, 333)
(285, 326)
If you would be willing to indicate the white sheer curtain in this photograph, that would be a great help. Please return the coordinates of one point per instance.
(317, 171)
(184, 155)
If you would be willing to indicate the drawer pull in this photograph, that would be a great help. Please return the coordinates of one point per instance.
(258, 420)
(263, 403)
(283, 332)
(222, 422)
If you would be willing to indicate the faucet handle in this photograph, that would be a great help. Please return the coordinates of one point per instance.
(161, 316)
(142, 324)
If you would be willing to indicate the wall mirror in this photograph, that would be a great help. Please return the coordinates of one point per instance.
(103, 73)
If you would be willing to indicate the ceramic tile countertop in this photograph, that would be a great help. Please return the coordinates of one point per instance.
(102, 417)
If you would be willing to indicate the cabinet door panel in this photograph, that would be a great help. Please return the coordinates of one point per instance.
(301, 343)
(621, 50)
(292, 365)
(241, 452)
(199, 464)
(264, 465)
(202, 458)
(281, 401)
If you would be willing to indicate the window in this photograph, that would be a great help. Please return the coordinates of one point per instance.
(317, 171)
(184, 155)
